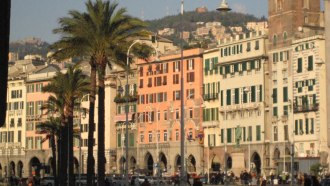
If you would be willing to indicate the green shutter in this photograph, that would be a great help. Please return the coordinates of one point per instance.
(236, 96)
(244, 97)
(312, 125)
(228, 135)
(222, 135)
(296, 127)
(275, 111)
(258, 129)
(221, 70)
(221, 97)
(310, 63)
(299, 70)
(274, 95)
(228, 94)
(131, 139)
(285, 94)
(244, 66)
(252, 65)
(119, 139)
(306, 126)
(314, 99)
(253, 94)
(236, 67)
(301, 127)
(260, 99)
(204, 114)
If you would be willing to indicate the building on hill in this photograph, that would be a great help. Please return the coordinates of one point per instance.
(202, 9)
(257, 26)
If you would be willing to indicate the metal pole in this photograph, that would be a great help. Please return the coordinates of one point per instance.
(126, 111)
(292, 162)
(182, 170)
(158, 168)
(79, 169)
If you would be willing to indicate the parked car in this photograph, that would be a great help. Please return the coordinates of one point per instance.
(47, 181)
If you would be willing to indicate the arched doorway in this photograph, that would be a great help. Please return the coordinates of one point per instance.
(12, 171)
(256, 163)
(177, 163)
(162, 162)
(191, 164)
(122, 162)
(20, 169)
(215, 164)
(75, 165)
(276, 159)
(149, 162)
(229, 162)
(34, 167)
(132, 164)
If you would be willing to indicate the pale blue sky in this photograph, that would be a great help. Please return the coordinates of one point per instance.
(37, 18)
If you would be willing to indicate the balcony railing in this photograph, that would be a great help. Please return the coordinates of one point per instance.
(306, 108)
(208, 97)
(122, 99)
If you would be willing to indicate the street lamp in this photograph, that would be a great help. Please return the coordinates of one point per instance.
(126, 106)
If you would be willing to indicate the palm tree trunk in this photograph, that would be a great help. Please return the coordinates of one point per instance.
(64, 155)
(59, 160)
(70, 143)
(53, 163)
(91, 126)
(101, 128)
(4, 48)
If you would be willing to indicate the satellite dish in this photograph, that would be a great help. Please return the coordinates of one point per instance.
(300, 29)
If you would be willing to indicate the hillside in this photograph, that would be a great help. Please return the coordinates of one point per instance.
(191, 18)
(24, 48)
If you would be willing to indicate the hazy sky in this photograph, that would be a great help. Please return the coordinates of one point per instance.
(37, 18)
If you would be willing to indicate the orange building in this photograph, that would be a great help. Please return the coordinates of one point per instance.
(158, 117)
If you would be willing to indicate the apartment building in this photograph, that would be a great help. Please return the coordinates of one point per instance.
(288, 21)
(158, 117)
(235, 125)
(309, 99)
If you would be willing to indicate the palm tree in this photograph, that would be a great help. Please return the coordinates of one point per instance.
(51, 128)
(103, 34)
(68, 87)
(4, 48)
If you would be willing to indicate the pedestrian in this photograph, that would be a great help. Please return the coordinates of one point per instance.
(197, 182)
(146, 182)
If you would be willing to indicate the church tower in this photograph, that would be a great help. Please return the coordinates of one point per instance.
(286, 17)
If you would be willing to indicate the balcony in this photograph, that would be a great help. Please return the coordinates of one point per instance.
(209, 97)
(305, 108)
(122, 99)
(210, 124)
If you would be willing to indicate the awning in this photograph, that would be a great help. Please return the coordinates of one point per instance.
(122, 117)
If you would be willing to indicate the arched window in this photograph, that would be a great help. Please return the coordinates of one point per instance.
(274, 40)
(285, 36)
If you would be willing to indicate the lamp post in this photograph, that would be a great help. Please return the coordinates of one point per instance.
(127, 109)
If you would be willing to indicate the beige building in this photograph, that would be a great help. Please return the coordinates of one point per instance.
(235, 86)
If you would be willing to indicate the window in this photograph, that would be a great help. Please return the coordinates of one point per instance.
(285, 36)
(131, 139)
(119, 140)
(38, 107)
(30, 88)
(176, 66)
(177, 135)
(38, 142)
(29, 142)
(190, 76)
(30, 108)
(16, 94)
(274, 40)
(176, 95)
(12, 122)
(142, 137)
(150, 136)
(39, 87)
(228, 94)
(176, 79)
(165, 135)
(19, 136)
(275, 111)
(257, 45)
(299, 69)
(286, 110)
(19, 122)
(258, 130)
(310, 63)
(191, 115)
(211, 140)
(275, 130)
(229, 136)
(149, 82)
(190, 64)
(286, 132)
(285, 94)
(141, 83)
(177, 114)
(165, 115)
(274, 95)
(248, 48)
